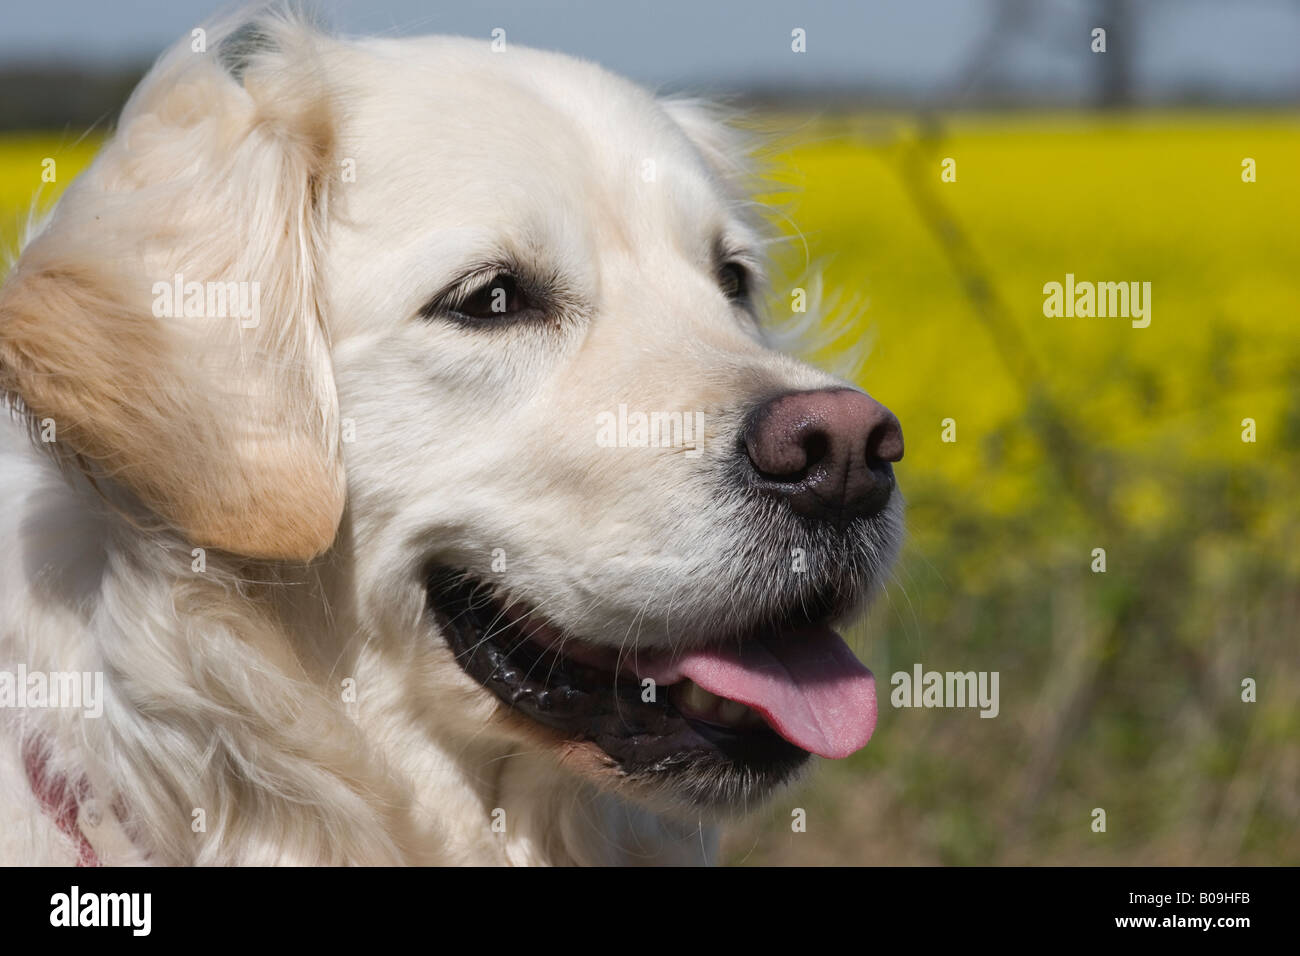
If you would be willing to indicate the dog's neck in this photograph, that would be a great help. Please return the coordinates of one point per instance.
(249, 717)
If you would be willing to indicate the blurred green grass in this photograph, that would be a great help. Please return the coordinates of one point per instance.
(1118, 690)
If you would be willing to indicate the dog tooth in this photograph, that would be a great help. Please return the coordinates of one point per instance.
(732, 712)
(698, 699)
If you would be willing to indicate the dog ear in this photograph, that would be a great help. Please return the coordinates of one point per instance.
(166, 324)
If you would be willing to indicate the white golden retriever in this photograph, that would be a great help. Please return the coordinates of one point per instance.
(357, 392)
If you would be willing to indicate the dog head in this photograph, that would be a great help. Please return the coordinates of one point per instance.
(507, 309)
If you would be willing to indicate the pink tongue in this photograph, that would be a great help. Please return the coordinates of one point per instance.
(808, 686)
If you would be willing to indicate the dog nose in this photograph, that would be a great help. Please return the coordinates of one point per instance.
(826, 452)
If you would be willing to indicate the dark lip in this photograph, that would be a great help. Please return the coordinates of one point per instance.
(585, 704)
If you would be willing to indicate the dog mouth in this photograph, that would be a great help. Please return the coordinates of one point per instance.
(719, 722)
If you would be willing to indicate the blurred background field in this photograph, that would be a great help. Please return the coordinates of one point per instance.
(1119, 690)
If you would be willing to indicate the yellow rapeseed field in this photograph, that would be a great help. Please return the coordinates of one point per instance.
(25, 174)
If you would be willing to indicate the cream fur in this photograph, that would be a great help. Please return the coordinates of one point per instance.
(225, 688)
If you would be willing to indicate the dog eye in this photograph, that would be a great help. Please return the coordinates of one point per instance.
(733, 279)
(501, 297)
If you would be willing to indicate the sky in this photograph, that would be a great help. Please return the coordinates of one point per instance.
(1234, 46)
